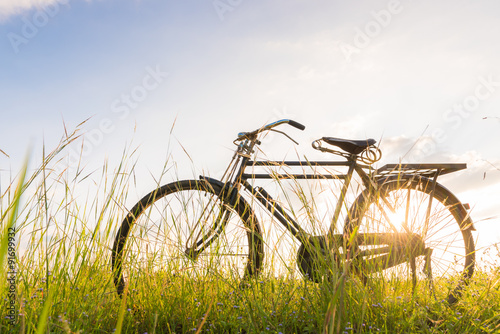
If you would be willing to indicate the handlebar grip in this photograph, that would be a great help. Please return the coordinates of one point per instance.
(296, 124)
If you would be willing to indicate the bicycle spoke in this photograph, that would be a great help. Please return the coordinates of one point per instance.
(414, 210)
(186, 215)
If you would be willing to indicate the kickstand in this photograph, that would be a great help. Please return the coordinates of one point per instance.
(428, 271)
(413, 266)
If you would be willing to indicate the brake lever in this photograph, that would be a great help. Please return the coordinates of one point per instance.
(285, 135)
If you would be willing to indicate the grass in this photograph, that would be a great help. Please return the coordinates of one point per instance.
(64, 278)
(270, 305)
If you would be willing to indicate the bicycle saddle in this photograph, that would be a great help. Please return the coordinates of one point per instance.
(350, 146)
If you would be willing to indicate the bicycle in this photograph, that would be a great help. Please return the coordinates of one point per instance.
(404, 226)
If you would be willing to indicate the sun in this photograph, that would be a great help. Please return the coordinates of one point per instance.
(397, 220)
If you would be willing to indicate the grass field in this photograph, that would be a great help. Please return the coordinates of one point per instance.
(63, 279)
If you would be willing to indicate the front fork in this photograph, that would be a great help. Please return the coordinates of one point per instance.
(228, 196)
(205, 241)
(219, 224)
(428, 269)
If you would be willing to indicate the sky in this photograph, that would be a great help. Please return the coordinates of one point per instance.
(170, 77)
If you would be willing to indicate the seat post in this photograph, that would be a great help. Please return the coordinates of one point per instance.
(343, 192)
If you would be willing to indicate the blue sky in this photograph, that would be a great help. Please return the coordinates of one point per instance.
(415, 74)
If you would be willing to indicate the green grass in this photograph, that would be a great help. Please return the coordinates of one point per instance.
(270, 305)
(64, 280)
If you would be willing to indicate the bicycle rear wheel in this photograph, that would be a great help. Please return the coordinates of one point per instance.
(185, 231)
(431, 214)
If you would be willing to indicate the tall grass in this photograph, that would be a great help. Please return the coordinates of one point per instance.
(64, 281)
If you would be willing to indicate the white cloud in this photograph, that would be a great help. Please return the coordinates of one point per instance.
(480, 173)
(10, 8)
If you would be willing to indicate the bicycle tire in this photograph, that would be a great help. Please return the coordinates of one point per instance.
(447, 233)
(143, 247)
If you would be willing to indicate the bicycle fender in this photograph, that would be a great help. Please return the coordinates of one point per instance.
(226, 188)
(211, 180)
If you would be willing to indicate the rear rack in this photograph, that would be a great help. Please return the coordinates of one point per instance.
(428, 170)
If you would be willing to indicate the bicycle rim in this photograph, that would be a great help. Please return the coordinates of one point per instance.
(152, 247)
(438, 219)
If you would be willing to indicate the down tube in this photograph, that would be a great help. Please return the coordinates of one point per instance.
(275, 209)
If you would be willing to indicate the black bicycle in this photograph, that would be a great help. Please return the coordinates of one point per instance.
(404, 227)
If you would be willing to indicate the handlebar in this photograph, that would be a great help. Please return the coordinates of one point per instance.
(253, 134)
(296, 125)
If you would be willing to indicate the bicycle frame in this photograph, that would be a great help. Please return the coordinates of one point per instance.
(275, 209)
(370, 180)
(238, 178)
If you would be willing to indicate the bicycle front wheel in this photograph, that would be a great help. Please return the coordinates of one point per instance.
(427, 213)
(185, 231)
